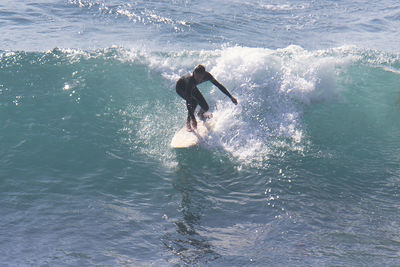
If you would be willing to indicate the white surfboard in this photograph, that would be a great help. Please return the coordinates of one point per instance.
(185, 139)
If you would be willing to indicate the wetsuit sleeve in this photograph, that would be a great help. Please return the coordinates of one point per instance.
(217, 84)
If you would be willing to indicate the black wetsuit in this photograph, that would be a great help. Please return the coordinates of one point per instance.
(186, 87)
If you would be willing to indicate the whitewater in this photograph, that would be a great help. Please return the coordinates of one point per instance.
(304, 171)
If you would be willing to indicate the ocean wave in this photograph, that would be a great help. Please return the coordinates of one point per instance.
(275, 89)
(143, 14)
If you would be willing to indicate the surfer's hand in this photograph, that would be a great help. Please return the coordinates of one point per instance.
(234, 100)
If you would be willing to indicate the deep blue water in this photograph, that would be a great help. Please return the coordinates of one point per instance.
(303, 172)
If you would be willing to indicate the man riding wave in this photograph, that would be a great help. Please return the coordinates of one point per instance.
(186, 87)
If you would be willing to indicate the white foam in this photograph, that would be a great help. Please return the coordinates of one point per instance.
(272, 86)
(391, 69)
(284, 7)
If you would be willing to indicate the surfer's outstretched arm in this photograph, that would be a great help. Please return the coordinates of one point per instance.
(222, 89)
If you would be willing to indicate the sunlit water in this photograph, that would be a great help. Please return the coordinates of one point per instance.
(304, 171)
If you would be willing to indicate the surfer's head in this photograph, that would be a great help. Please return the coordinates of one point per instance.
(199, 72)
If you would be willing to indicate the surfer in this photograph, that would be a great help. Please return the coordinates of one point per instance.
(186, 87)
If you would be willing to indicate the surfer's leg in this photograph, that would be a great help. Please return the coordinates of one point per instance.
(200, 100)
(191, 105)
(188, 126)
(182, 92)
(203, 104)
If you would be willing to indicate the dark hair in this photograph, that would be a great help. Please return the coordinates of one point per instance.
(200, 69)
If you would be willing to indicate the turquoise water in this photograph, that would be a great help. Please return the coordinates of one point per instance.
(304, 171)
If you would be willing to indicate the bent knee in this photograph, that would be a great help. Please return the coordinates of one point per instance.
(205, 107)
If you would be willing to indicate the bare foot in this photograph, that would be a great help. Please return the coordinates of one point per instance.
(188, 127)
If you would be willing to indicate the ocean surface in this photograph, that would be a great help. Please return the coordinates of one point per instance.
(304, 171)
